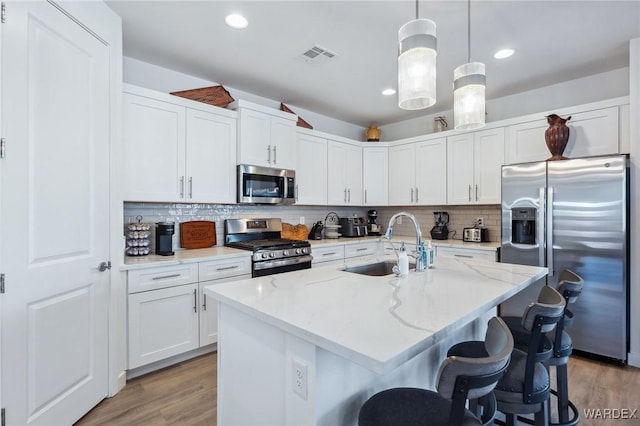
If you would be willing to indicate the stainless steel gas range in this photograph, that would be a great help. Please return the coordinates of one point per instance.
(272, 254)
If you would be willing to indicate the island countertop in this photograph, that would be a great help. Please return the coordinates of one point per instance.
(377, 322)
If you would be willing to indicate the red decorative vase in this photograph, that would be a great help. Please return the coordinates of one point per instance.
(557, 136)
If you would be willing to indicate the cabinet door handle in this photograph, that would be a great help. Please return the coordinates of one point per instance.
(181, 186)
(476, 192)
(296, 192)
(269, 154)
(345, 195)
(275, 157)
(204, 302)
(466, 256)
(469, 193)
(412, 195)
(417, 195)
(227, 268)
(362, 249)
(164, 277)
(365, 196)
(190, 186)
(329, 254)
(349, 192)
(195, 300)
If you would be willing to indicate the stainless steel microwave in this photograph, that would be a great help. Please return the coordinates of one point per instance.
(264, 185)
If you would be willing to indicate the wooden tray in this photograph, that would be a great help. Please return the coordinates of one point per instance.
(197, 234)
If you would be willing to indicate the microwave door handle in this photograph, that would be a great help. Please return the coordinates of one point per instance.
(540, 226)
(550, 230)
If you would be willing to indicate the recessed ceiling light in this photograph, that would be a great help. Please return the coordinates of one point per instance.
(503, 53)
(388, 92)
(236, 21)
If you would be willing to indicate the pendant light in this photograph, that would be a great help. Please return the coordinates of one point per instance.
(469, 82)
(417, 64)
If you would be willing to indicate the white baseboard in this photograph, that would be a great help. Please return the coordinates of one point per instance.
(633, 359)
(145, 369)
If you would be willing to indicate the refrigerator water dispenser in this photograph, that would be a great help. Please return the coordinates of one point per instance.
(523, 225)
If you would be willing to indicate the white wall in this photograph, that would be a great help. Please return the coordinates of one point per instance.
(594, 88)
(634, 106)
(165, 80)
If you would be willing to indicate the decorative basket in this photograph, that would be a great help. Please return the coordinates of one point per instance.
(214, 95)
(301, 122)
(294, 232)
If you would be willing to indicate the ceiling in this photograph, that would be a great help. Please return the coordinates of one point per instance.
(555, 41)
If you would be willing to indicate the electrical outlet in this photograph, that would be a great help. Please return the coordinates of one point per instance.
(299, 378)
(301, 220)
(480, 221)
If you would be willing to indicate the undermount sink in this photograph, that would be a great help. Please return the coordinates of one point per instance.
(377, 269)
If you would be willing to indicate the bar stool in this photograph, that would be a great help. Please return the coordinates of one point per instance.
(570, 286)
(459, 379)
(524, 388)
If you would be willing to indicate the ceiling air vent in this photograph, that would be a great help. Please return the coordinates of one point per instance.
(317, 55)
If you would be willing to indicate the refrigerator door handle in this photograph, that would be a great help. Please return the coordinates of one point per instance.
(550, 230)
(540, 226)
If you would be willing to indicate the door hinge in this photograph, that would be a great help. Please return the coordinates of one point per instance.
(3, 15)
(1, 147)
(1, 283)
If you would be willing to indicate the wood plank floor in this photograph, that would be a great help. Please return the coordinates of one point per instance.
(185, 394)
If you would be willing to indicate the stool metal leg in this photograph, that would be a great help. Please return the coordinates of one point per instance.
(563, 393)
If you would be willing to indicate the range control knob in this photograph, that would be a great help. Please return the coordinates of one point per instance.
(298, 251)
(272, 254)
(305, 250)
(285, 253)
(264, 255)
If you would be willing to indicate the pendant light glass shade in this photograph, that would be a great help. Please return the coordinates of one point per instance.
(417, 64)
(469, 84)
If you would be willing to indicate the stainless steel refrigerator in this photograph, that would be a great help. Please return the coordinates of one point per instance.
(574, 214)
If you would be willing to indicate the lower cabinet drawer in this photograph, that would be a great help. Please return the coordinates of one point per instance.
(216, 269)
(327, 254)
(364, 249)
(161, 277)
(464, 253)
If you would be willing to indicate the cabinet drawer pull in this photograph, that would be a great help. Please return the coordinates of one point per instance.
(195, 300)
(329, 254)
(164, 277)
(466, 256)
(362, 249)
(226, 268)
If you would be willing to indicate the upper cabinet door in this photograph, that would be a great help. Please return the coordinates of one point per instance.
(154, 150)
(431, 172)
(336, 173)
(211, 158)
(311, 170)
(375, 174)
(283, 140)
(353, 178)
(460, 161)
(402, 176)
(489, 158)
(254, 138)
(590, 133)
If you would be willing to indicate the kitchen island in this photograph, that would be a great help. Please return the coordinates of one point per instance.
(309, 347)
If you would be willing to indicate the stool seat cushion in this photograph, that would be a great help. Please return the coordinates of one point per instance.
(409, 407)
(511, 386)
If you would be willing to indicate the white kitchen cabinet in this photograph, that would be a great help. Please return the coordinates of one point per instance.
(266, 137)
(375, 173)
(467, 253)
(162, 323)
(176, 153)
(361, 249)
(324, 256)
(474, 162)
(344, 180)
(311, 170)
(418, 173)
(591, 133)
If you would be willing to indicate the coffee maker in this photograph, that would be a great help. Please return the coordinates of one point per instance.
(372, 223)
(164, 238)
(440, 230)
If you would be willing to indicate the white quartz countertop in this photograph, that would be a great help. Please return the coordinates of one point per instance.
(182, 256)
(377, 322)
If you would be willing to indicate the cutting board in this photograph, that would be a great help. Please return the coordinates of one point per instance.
(197, 234)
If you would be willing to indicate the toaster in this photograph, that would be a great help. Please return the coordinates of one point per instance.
(475, 235)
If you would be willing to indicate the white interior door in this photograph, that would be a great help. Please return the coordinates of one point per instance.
(54, 216)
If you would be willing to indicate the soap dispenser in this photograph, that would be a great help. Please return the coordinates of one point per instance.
(403, 261)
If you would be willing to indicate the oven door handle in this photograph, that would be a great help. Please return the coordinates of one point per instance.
(268, 264)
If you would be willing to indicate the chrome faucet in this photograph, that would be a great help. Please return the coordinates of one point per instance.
(420, 266)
